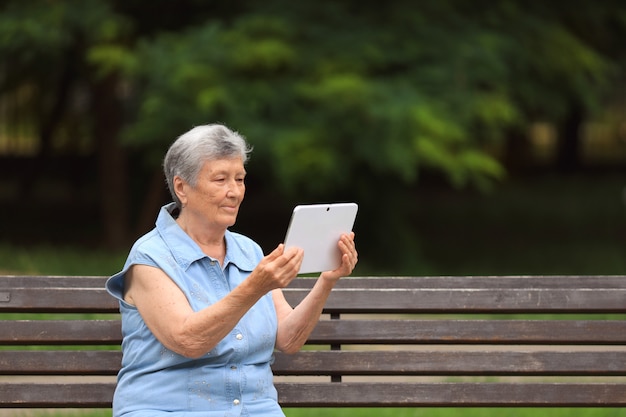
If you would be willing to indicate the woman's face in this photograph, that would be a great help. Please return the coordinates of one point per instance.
(219, 191)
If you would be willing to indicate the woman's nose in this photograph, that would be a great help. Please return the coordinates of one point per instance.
(234, 189)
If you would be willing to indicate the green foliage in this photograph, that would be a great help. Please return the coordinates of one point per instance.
(52, 51)
(325, 96)
(342, 100)
(35, 32)
(457, 412)
(319, 101)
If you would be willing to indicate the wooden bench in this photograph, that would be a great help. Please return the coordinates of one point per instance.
(384, 342)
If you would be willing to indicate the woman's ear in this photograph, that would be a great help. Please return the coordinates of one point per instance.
(180, 188)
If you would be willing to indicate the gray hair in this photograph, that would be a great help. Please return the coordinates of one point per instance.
(192, 149)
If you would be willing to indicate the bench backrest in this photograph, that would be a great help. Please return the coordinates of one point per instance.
(384, 341)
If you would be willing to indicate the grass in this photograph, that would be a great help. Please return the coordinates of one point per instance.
(54, 260)
(455, 412)
(539, 226)
(58, 413)
(393, 412)
(387, 412)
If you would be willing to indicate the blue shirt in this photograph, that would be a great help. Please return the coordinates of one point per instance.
(233, 379)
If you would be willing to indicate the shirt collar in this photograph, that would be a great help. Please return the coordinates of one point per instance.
(186, 251)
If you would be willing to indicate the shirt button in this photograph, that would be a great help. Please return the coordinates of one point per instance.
(236, 402)
(212, 263)
(239, 336)
(233, 367)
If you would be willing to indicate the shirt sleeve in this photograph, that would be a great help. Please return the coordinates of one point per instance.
(115, 283)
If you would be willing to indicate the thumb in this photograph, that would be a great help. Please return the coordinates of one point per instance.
(276, 252)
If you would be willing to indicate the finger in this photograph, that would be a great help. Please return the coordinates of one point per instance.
(287, 257)
(345, 268)
(287, 265)
(294, 257)
(348, 239)
(347, 246)
(292, 251)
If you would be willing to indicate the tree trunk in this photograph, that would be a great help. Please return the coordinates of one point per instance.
(569, 151)
(112, 161)
(155, 197)
(517, 153)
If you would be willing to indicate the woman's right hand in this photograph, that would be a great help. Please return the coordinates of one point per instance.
(278, 268)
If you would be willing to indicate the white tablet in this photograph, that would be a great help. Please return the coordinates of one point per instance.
(316, 229)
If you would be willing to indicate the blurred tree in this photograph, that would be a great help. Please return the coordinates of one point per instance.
(352, 98)
(334, 107)
(324, 94)
(343, 100)
(598, 33)
(46, 48)
(562, 62)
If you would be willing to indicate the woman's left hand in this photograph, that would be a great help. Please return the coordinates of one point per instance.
(349, 258)
(296, 324)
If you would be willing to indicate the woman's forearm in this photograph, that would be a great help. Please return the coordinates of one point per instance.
(296, 324)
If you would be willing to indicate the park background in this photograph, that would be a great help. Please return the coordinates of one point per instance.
(483, 137)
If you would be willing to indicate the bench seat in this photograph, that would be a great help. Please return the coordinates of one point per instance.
(511, 341)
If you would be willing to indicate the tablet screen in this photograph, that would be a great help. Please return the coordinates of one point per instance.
(316, 229)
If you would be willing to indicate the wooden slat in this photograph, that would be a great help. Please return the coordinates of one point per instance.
(551, 332)
(439, 282)
(465, 301)
(451, 395)
(51, 281)
(564, 299)
(58, 300)
(99, 395)
(476, 282)
(83, 362)
(60, 332)
(362, 301)
(453, 362)
(512, 362)
(413, 331)
(56, 395)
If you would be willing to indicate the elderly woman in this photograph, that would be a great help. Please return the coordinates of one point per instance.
(202, 307)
